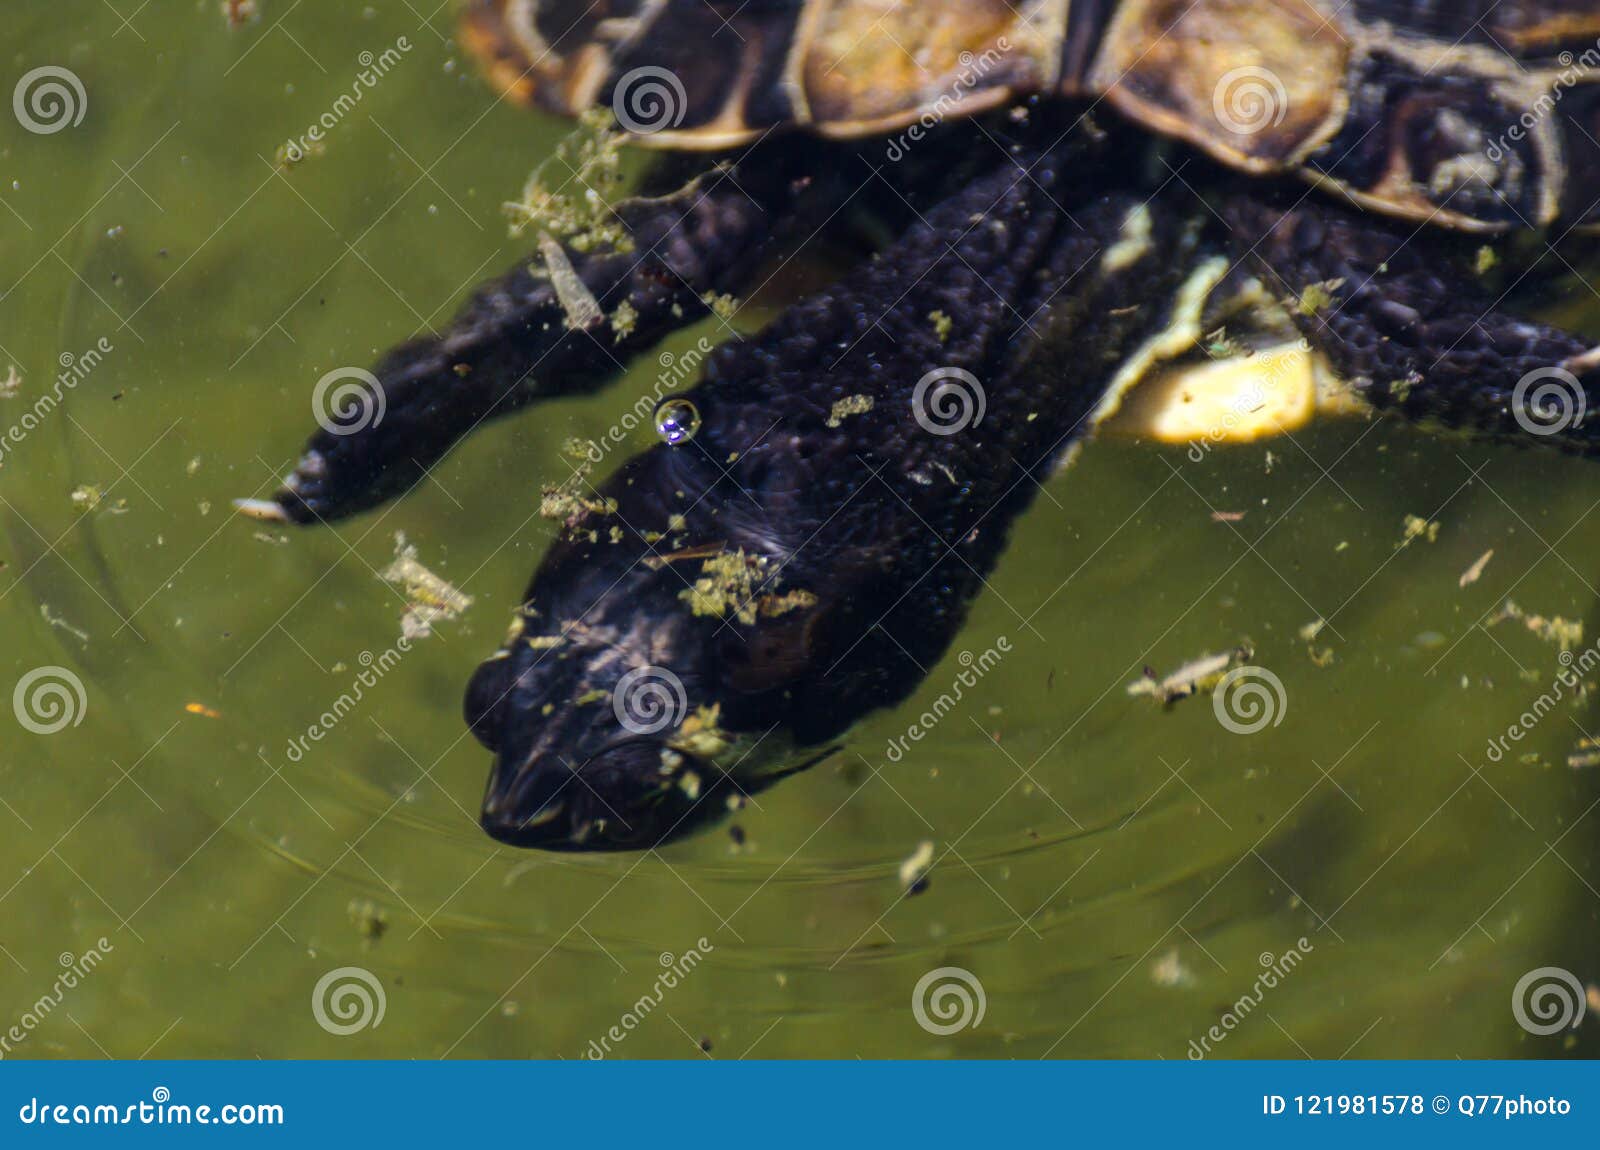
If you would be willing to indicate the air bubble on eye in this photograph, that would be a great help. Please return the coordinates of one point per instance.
(677, 421)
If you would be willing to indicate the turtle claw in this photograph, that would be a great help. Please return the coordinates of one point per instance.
(265, 509)
(1585, 363)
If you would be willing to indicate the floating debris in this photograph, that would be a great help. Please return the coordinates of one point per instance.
(55, 620)
(87, 496)
(914, 870)
(1585, 756)
(1418, 528)
(1565, 633)
(241, 12)
(1472, 574)
(1197, 675)
(576, 212)
(1320, 656)
(371, 920)
(582, 309)
(430, 599)
(942, 324)
(848, 406)
(289, 155)
(1170, 972)
(564, 503)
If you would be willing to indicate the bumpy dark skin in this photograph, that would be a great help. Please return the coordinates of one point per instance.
(889, 526)
(510, 346)
(869, 539)
(701, 226)
(1409, 326)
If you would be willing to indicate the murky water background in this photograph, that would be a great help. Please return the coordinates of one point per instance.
(1113, 875)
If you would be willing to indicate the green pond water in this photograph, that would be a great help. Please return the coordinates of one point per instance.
(1114, 876)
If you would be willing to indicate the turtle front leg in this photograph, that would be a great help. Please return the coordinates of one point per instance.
(1402, 317)
(518, 340)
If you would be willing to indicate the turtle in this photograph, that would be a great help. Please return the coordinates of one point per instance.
(1037, 204)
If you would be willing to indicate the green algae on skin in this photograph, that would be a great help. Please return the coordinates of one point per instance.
(624, 321)
(1318, 297)
(727, 584)
(848, 406)
(722, 305)
(701, 735)
(731, 584)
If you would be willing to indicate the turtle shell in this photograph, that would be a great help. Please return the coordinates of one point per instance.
(1481, 115)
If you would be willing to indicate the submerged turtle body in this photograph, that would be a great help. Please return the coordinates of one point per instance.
(1480, 115)
(721, 610)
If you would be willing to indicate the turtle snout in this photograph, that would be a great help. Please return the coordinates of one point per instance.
(528, 803)
(612, 799)
(485, 706)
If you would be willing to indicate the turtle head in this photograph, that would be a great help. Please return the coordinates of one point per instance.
(597, 743)
(640, 694)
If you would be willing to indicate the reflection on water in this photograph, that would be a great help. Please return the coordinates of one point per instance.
(1106, 877)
